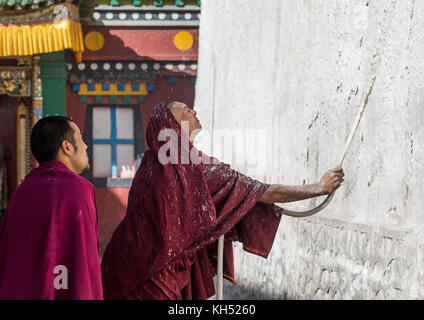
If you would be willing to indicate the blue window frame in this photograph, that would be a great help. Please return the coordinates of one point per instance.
(113, 142)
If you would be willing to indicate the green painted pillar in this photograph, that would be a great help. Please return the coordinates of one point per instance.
(53, 77)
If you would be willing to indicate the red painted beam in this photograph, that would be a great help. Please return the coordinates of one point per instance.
(140, 44)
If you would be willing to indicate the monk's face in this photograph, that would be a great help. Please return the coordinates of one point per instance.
(183, 113)
(79, 157)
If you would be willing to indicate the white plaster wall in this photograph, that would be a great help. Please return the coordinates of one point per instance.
(298, 70)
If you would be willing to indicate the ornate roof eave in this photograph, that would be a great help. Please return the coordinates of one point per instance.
(8, 7)
(87, 9)
(145, 16)
(42, 31)
(121, 71)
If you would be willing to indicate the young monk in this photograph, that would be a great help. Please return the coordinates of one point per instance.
(165, 247)
(49, 246)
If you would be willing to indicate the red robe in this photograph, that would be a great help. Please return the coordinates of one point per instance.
(50, 221)
(165, 247)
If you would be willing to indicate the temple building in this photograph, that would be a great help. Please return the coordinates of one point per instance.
(105, 64)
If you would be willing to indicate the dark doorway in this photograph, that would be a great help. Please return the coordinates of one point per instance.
(8, 107)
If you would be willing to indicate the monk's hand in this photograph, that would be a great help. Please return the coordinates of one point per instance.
(331, 180)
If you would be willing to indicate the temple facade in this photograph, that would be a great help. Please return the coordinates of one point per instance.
(105, 64)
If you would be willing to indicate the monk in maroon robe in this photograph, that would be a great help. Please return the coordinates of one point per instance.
(49, 246)
(165, 247)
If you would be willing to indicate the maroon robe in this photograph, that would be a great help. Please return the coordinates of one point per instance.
(50, 221)
(165, 247)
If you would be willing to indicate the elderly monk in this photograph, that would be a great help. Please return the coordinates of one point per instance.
(49, 246)
(165, 247)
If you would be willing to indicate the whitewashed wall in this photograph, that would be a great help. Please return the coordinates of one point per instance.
(296, 72)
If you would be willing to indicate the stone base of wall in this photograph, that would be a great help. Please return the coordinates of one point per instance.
(318, 258)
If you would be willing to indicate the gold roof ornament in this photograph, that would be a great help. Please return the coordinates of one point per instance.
(55, 28)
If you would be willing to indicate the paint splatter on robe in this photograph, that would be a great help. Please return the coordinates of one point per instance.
(50, 221)
(166, 245)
